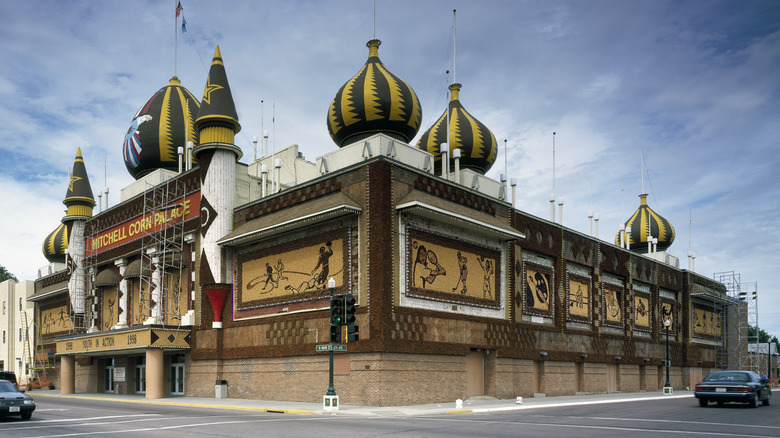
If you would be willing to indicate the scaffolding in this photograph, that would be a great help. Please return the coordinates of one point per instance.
(737, 316)
(163, 254)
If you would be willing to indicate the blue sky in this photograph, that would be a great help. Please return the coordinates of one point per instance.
(693, 85)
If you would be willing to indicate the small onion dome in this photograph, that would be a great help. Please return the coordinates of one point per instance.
(646, 222)
(159, 128)
(373, 101)
(217, 121)
(477, 144)
(79, 199)
(55, 244)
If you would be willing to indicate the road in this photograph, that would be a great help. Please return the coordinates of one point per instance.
(681, 417)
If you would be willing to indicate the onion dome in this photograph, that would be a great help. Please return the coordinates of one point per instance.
(79, 199)
(159, 128)
(646, 222)
(373, 101)
(476, 142)
(217, 121)
(55, 245)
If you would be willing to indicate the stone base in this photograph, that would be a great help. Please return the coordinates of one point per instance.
(330, 403)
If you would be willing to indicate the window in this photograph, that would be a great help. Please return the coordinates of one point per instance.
(20, 304)
(20, 334)
(3, 336)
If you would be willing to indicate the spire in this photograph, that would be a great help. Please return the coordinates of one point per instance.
(79, 198)
(217, 121)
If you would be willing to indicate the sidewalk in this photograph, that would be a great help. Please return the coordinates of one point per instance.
(477, 404)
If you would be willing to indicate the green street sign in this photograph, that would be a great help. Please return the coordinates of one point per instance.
(331, 347)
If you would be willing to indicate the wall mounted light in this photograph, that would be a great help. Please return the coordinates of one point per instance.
(618, 358)
(542, 353)
(647, 359)
(583, 355)
(699, 362)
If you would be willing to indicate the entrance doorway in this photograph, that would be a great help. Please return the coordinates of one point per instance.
(177, 375)
(475, 372)
(109, 380)
(140, 375)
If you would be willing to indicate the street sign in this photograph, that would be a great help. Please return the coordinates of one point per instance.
(331, 347)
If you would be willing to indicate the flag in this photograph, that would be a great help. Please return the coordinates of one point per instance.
(183, 25)
(179, 8)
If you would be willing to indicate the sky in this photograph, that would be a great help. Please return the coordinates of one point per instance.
(691, 86)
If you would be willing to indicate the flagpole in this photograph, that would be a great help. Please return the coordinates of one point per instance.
(175, 36)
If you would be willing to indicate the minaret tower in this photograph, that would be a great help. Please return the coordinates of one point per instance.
(217, 154)
(80, 202)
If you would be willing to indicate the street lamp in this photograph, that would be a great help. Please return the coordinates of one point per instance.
(668, 385)
(331, 388)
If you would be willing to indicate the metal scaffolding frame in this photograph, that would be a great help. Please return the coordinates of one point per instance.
(163, 258)
(740, 313)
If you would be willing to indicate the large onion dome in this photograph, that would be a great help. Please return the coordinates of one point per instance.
(373, 101)
(79, 198)
(476, 142)
(159, 128)
(646, 222)
(55, 245)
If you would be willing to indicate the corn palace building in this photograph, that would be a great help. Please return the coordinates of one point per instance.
(211, 273)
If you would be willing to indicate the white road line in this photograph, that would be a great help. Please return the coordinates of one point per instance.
(616, 428)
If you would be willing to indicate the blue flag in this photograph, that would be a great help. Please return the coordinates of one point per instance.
(183, 24)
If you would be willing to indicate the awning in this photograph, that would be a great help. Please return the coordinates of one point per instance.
(429, 206)
(107, 277)
(310, 212)
(133, 270)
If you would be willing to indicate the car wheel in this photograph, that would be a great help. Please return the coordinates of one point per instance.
(768, 398)
(26, 415)
(753, 403)
(703, 402)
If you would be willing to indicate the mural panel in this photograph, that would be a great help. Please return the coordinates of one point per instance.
(295, 272)
(668, 311)
(139, 302)
(55, 320)
(449, 270)
(108, 308)
(579, 297)
(642, 311)
(705, 322)
(176, 296)
(538, 288)
(613, 305)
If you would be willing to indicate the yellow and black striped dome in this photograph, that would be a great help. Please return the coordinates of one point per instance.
(477, 144)
(159, 128)
(646, 222)
(373, 101)
(55, 244)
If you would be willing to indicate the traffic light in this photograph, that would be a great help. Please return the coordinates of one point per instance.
(349, 311)
(352, 333)
(335, 334)
(337, 311)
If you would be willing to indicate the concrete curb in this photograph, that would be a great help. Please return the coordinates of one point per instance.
(191, 405)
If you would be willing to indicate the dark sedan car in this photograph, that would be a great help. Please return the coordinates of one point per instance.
(13, 402)
(733, 386)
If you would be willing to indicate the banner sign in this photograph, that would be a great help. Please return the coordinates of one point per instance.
(142, 225)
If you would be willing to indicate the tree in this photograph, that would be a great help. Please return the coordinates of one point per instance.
(5, 275)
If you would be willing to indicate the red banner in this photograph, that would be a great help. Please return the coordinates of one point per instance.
(142, 225)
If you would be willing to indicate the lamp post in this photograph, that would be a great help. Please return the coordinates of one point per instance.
(667, 323)
(331, 388)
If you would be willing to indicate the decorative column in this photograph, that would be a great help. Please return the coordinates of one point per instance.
(155, 368)
(80, 203)
(217, 125)
(68, 375)
(122, 294)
